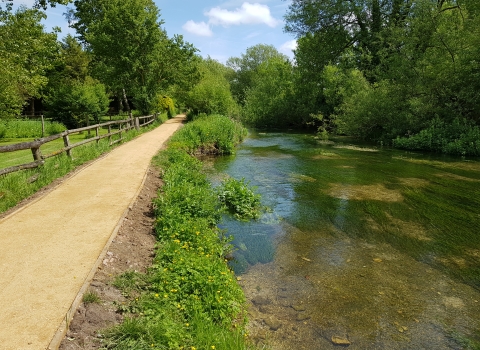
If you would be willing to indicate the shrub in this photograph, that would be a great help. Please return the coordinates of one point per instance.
(75, 103)
(459, 137)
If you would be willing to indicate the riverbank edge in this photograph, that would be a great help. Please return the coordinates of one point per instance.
(189, 298)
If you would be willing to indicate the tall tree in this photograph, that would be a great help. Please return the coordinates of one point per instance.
(212, 94)
(244, 68)
(130, 49)
(26, 53)
(337, 26)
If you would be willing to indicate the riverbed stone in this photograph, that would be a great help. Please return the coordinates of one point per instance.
(272, 323)
(340, 340)
(302, 316)
(259, 300)
(299, 307)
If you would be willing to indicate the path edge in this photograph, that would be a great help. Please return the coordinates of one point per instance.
(63, 328)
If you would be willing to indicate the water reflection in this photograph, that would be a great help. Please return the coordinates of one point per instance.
(371, 250)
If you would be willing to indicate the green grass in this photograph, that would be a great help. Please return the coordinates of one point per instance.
(17, 186)
(190, 298)
(91, 297)
(28, 128)
(213, 134)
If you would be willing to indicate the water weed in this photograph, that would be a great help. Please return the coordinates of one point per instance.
(240, 199)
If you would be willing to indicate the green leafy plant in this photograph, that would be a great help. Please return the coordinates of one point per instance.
(240, 199)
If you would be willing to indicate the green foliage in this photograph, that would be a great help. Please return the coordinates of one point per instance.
(212, 93)
(459, 137)
(240, 199)
(165, 104)
(382, 70)
(191, 299)
(213, 134)
(26, 53)
(12, 128)
(75, 103)
(131, 51)
(269, 98)
(243, 72)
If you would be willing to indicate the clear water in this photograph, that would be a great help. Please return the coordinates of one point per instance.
(372, 247)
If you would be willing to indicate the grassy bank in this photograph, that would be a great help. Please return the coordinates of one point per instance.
(17, 186)
(190, 298)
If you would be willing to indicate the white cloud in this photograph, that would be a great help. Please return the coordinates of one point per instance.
(200, 29)
(247, 14)
(288, 47)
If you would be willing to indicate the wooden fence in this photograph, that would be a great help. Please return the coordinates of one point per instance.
(39, 158)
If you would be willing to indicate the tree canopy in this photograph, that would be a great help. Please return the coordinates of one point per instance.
(27, 52)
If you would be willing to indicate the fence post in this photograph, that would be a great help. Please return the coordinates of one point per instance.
(109, 134)
(66, 142)
(43, 126)
(97, 132)
(137, 123)
(37, 155)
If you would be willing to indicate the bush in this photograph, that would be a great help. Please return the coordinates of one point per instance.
(460, 137)
(75, 103)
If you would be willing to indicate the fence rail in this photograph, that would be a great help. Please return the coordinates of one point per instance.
(39, 158)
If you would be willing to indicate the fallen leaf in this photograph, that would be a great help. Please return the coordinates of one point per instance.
(306, 259)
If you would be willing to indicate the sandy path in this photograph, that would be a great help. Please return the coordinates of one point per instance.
(49, 249)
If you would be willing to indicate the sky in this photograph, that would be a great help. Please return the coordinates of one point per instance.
(218, 28)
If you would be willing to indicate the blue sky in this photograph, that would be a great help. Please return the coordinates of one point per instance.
(218, 28)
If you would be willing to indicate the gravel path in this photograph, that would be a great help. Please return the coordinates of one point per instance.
(51, 247)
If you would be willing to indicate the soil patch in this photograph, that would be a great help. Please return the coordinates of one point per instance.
(131, 250)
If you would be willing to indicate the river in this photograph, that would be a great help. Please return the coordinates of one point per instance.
(362, 247)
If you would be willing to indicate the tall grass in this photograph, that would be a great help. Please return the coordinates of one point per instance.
(214, 134)
(28, 128)
(190, 298)
(17, 186)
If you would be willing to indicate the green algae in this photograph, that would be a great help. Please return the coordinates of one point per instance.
(391, 239)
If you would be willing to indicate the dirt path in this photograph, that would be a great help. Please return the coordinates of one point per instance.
(50, 248)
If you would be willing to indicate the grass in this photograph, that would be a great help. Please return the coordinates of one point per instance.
(17, 186)
(28, 128)
(213, 134)
(91, 297)
(190, 298)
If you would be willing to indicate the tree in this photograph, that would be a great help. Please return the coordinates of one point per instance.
(244, 68)
(26, 54)
(72, 96)
(130, 50)
(269, 99)
(337, 26)
(212, 94)
(74, 102)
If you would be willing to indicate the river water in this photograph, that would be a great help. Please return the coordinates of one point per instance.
(362, 247)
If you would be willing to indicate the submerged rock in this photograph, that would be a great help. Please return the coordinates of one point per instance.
(340, 340)
(272, 323)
